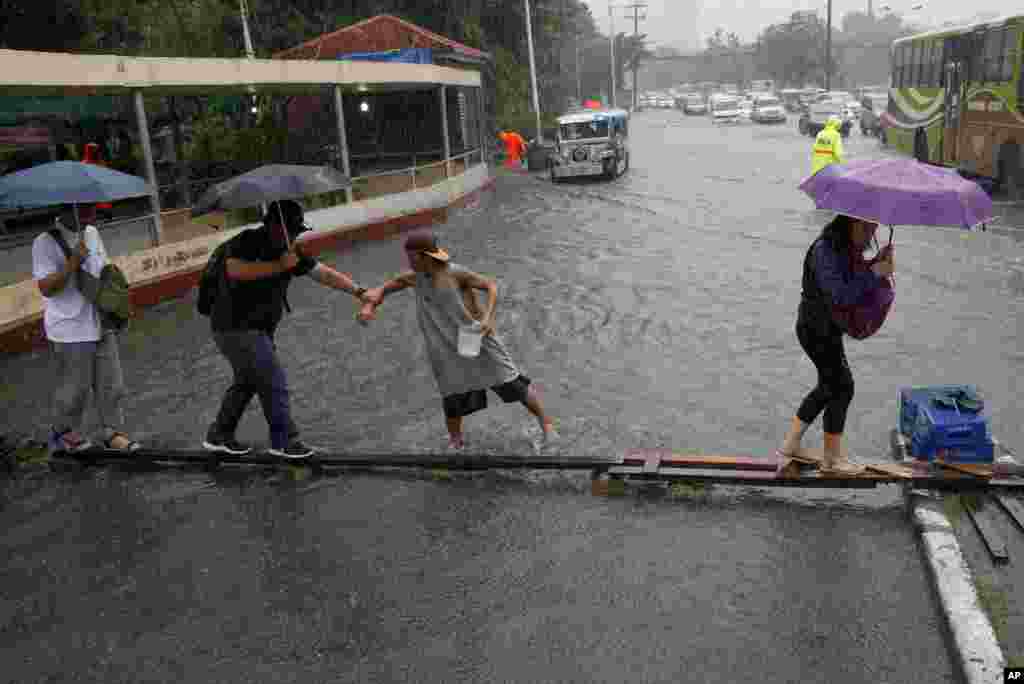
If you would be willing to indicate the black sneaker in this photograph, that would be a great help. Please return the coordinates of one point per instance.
(227, 446)
(294, 450)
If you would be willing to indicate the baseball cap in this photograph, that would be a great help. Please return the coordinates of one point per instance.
(426, 243)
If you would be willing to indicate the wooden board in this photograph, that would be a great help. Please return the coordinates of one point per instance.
(986, 526)
(1013, 507)
(897, 471)
(972, 469)
(670, 460)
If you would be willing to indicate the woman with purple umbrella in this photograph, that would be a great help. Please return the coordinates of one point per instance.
(832, 280)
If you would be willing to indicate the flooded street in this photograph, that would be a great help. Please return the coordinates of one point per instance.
(656, 310)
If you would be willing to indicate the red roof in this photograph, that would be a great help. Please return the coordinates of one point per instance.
(379, 33)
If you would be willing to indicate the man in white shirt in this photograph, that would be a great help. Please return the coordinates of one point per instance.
(86, 356)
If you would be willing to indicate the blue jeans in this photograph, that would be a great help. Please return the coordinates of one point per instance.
(258, 372)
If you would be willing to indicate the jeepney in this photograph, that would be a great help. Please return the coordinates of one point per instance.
(591, 143)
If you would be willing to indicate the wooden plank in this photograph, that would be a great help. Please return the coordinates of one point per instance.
(711, 461)
(1013, 507)
(989, 534)
(897, 471)
(972, 469)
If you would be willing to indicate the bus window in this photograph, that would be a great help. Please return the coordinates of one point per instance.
(1009, 48)
(936, 78)
(993, 59)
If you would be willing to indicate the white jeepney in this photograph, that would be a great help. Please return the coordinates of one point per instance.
(591, 143)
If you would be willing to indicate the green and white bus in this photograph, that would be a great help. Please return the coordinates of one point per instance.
(957, 98)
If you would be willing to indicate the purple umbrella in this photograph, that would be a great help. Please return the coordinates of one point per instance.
(899, 192)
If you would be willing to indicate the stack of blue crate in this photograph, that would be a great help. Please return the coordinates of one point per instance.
(947, 422)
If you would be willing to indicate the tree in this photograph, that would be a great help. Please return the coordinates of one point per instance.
(793, 52)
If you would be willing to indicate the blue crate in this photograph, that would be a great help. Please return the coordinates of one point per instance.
(948, 433)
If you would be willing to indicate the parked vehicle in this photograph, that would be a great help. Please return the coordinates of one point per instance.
(591, 143)
(813, 120)
(725, 109)
(873, 105)
(695, 105)
(768, 109)
(746, 107)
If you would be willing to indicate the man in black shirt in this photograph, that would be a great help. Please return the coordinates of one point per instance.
(260, 264)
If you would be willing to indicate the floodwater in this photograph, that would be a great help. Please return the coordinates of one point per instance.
(656, 310)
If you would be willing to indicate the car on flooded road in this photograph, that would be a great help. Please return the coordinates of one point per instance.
(768, 109)
(725, 109)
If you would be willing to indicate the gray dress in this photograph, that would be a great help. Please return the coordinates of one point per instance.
(440, 312)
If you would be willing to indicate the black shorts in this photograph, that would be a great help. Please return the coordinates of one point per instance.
(459, 405)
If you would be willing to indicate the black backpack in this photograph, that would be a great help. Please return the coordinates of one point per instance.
(213, 279)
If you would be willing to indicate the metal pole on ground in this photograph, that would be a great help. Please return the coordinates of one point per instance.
(147, 153)
(828, 49)
(533, 68)
(444, 128)
(481, 128)
(339, 108)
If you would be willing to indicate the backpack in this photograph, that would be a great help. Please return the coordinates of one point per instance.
(213, 278)
(110, 292)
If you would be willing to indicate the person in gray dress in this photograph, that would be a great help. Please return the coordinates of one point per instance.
(445, 301)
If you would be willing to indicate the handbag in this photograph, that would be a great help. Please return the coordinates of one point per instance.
(109, 292)
(863, 319)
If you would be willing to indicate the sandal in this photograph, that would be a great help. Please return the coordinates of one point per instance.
(131, 445)
(842, 468)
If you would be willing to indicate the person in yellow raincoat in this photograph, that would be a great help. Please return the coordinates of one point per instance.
(828, 146)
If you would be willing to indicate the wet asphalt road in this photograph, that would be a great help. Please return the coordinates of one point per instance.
(653, 311)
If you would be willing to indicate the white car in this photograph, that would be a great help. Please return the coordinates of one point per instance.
(768, 109)
(725, 109)
(746, 108)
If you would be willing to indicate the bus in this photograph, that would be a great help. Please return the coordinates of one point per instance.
(956, 99)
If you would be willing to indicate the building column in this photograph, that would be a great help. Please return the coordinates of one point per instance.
(444, 128)
(339, 107)
(147, 155)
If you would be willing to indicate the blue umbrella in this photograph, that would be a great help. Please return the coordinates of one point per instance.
(68, 182)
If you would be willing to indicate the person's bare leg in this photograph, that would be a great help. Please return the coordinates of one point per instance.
(791, 445)
(454, 430)
(533, 405)
(835, 458)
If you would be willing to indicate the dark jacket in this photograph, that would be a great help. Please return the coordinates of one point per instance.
(829, 280)
(255, 304)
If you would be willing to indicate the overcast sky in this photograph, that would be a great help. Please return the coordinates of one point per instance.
(681, 22)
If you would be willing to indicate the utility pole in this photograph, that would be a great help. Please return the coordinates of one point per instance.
(533, 68)
(828, 49)
(611, 20)
(249, 52)
(579, 88)
(636, 7)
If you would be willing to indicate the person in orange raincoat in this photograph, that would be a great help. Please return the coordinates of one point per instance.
(94, 156)
(515, 148)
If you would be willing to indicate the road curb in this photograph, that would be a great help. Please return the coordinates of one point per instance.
(980, 656)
